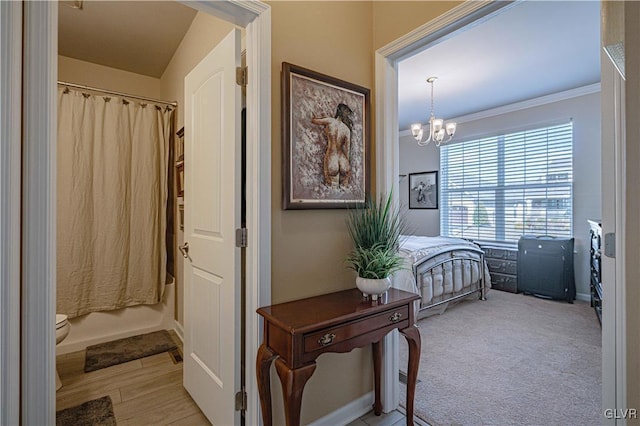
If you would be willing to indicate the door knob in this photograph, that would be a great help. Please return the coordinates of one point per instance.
(184, 249)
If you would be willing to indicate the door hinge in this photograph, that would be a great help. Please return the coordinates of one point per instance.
(241, 237)
(610, 244)
(241, 76)
(241, 401)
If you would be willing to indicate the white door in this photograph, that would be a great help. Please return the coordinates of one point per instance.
(212, 214)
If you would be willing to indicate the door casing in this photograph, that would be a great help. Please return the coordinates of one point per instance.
(10, 170)
(38, 199)
(387, 161)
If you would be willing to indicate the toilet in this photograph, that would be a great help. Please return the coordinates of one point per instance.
(62, 330)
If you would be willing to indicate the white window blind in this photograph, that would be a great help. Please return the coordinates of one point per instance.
(499, 188)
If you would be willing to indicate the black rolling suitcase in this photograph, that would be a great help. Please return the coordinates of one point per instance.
(545, 267)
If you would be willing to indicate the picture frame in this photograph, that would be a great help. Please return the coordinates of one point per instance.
(180, 178)
(423, 190)
(180, 145)
(325, 136)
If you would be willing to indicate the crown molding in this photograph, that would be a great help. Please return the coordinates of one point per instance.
(442, 27)
(530, 103)
(518, 106)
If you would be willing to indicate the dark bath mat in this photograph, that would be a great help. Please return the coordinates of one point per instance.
(97, 412)
(123, 350)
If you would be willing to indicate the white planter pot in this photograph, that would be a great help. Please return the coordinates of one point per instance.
(373, 287)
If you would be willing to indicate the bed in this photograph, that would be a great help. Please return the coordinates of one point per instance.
(442, 270)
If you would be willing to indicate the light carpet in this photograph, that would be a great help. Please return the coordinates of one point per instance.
(509, 360)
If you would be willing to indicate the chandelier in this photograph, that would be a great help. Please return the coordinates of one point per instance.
(437, 126)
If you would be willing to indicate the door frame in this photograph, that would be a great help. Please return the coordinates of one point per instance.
(10, 170)
(613, 157)
(387, 163)
(38, 205)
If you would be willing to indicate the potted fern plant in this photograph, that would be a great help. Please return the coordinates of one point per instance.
(375, 230)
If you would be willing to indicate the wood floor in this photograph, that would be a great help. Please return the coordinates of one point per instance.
(394, 418)
(147, 391)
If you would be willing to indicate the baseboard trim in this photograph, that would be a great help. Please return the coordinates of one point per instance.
(585, 297)
(347, 413)
(179, 330)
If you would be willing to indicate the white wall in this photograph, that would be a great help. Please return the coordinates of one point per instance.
(585, 111)
(72, 70)
(416, 159)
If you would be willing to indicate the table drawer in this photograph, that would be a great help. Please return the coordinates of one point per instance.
(334, 335)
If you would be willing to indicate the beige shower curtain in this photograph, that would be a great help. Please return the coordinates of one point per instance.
(112, 194)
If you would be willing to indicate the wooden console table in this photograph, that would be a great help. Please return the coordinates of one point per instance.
(297, 332)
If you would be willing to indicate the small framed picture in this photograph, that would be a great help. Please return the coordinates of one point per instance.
(180, 178)
(180, 144)
(181, 216)
(423, 190)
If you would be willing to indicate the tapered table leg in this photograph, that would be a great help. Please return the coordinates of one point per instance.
(412, 334)
(263, 364)
(293, 382)
(377, 366)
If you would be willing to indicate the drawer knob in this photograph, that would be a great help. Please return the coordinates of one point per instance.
(326, 339)
(395, 317)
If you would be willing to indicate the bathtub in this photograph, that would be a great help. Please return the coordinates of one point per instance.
(100, 327)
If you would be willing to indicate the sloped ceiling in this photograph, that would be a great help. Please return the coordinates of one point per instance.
(533, 49)
(136, 36)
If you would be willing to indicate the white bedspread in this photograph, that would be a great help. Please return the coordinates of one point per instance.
(417, 247)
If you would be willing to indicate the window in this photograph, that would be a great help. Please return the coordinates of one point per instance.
(499, 188)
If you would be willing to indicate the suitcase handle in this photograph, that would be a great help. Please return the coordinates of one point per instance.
(539, 237)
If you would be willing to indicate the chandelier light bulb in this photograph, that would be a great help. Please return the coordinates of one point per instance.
(451, 128)
(416, 130)
(437, 124)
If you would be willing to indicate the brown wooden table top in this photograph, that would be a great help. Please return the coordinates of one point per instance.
(300, 316)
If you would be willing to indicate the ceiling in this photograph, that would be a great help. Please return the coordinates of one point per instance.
(136, 36)
(533, 49)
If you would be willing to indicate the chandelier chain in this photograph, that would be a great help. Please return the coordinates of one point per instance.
(432, 102)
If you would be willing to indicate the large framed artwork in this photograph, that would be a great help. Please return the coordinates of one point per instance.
(423, 190)
(325, 132)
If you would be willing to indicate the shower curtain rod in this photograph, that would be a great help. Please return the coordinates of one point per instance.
(111, 92)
